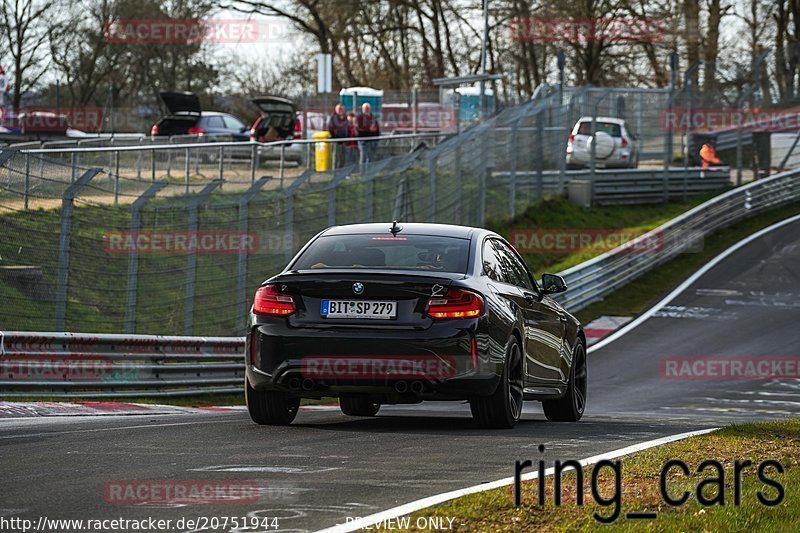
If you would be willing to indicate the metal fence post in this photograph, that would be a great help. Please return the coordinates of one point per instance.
(562, 161)
(63, 245)
(288, 225)
(133, 259)
(139, 160)
(73, 162)
(253, 163)
(432, 198)
(27, 179)
(221, 162)
(153, 165)
(540, 155)
(512, 177)
(187, 169)
(241, 286)
(191, 264)
(457, 175)
(116, 177)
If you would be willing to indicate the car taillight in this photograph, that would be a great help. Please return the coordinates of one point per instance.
(298, 129)
(456, 303)
(154, 130)
(624, 142)
(194, 130)
(271, 301)
(571, 138)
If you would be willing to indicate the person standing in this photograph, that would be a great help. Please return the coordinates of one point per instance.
(339, 128)
(366, 127)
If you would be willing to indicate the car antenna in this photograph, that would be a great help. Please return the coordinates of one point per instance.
(395, 229)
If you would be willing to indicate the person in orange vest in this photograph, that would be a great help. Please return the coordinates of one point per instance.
(709, 155)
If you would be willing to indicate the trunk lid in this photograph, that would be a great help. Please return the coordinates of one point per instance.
(182, 103)
(410, 291)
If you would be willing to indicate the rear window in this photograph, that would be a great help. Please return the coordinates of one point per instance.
(383, 252)
(585, 128)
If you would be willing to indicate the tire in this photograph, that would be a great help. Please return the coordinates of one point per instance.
(355, 406)
(570, 408)
(273, 408)
(502, 409)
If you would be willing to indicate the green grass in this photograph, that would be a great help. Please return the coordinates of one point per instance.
(779, 441)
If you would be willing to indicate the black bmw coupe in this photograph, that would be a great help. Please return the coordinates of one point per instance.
(400, 313)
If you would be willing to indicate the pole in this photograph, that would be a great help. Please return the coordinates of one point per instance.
(484, 51)
(67, 204)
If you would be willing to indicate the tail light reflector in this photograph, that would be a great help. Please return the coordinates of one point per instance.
(473, 345)
(571, 138)
(271, 301)
(154, 130)
(455, 304)
(253, 338)
(194, 130)
(624, 142)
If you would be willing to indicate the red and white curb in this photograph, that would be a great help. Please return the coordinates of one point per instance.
(602, 327)
(40, 409)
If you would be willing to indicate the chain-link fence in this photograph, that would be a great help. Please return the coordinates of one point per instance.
(100, 241)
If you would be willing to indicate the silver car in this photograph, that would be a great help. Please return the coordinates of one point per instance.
(616, 146)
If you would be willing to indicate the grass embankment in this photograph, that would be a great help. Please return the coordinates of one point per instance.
(640, 492)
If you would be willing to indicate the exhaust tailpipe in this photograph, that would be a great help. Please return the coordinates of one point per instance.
(416, 387)
(308, 384)
(401, 387)
(294, 383)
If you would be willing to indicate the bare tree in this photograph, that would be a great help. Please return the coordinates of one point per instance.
(23, 32)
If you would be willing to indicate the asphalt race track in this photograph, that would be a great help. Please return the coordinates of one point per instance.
(327, 467)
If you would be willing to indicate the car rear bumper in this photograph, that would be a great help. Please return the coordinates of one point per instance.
(394, 366)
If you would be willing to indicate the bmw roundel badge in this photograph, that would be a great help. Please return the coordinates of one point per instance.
(358, 287)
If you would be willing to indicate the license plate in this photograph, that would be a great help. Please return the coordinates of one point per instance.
(372, 309)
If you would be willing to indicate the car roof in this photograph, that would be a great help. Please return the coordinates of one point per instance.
(613, 120)
(409, 228)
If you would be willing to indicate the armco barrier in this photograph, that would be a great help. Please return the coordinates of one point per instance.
(83, 365)
(108, 366)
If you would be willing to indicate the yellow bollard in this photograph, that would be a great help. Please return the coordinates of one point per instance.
(323, 152)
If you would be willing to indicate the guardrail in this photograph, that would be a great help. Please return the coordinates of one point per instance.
(622, 186)
(64, 365)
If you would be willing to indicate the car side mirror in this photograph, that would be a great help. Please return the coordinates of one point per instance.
(552, 284)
